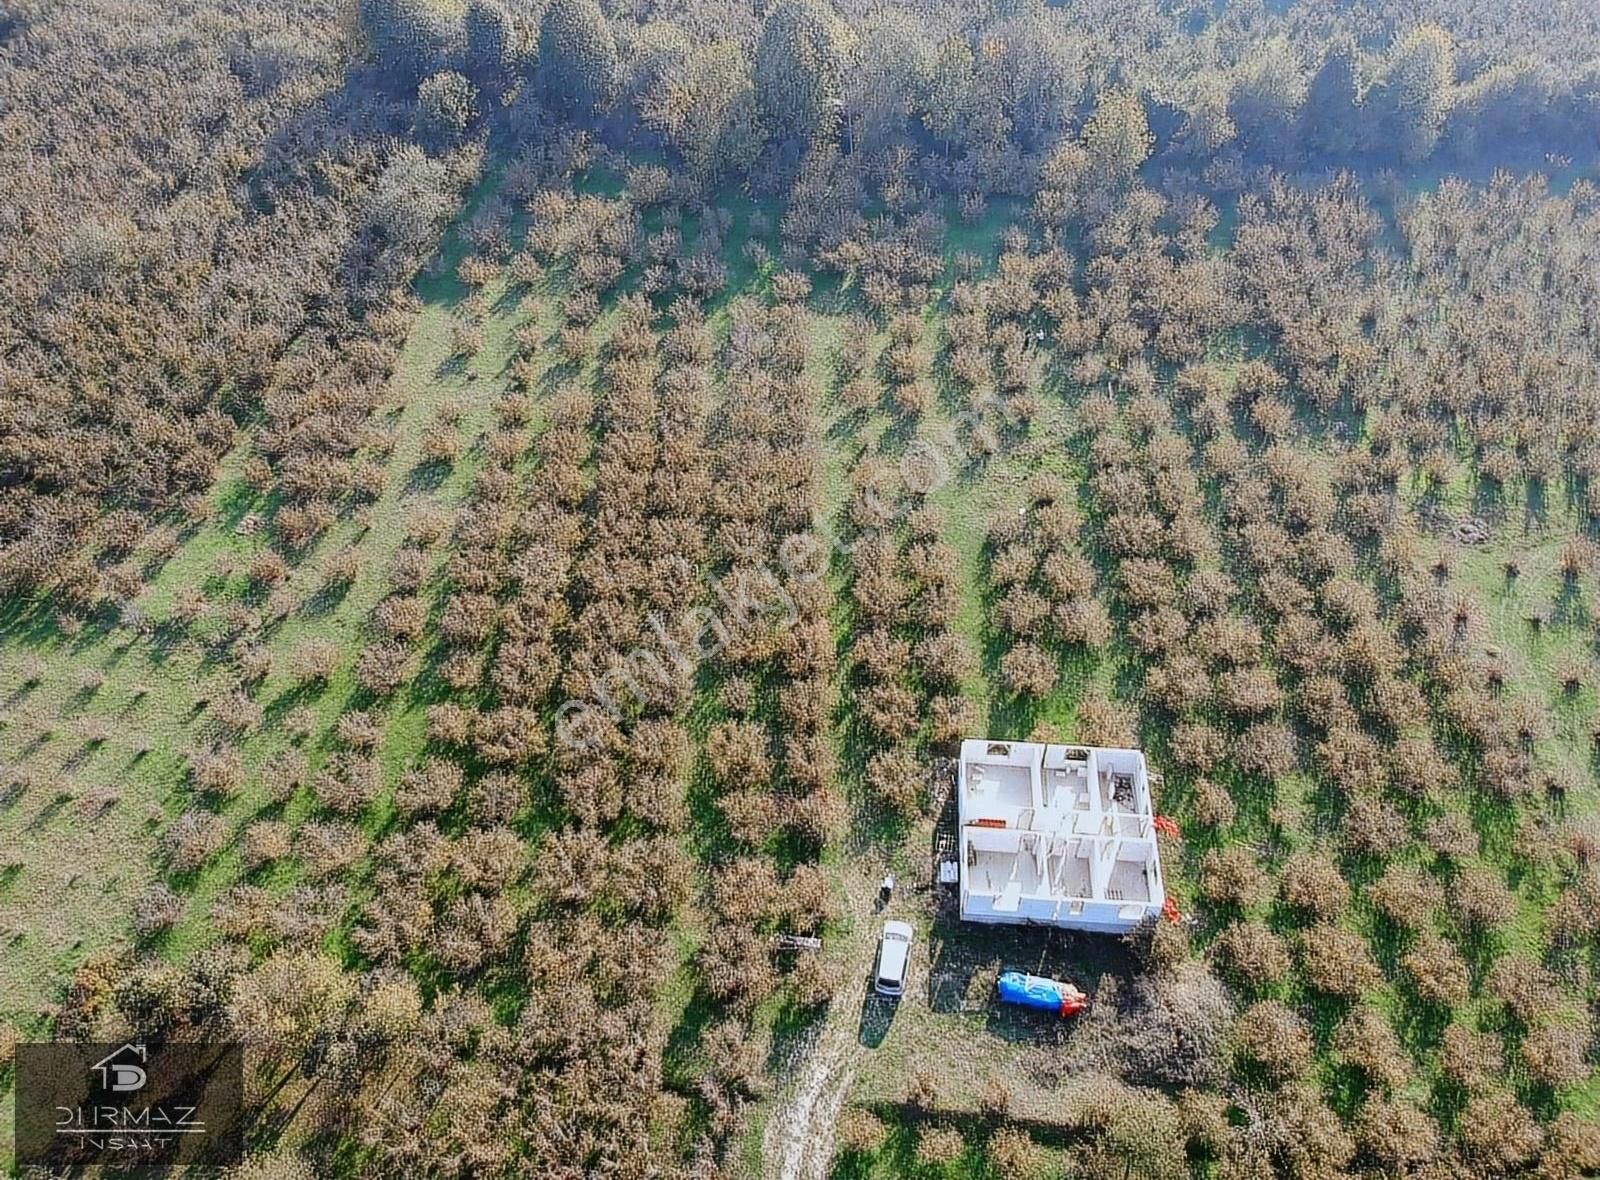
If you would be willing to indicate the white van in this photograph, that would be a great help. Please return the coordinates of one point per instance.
(894, 958)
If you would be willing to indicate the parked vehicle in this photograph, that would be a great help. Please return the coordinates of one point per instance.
(894, 959)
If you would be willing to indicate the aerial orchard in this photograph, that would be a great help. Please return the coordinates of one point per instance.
(507, 512)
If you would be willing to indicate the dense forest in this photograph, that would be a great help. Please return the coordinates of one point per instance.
(507, 508)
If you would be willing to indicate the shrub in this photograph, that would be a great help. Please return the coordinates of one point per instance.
(495, 798)
(347, 783)
(1406, 895)
(382, 668)
(1085, 623)
(1276, 1040)
(922, 1089)
(254, 663)
(314, 661)
(289, 1000)
(860, 1132)
(945, 658)
(1016, 1156)
(1126, 1132)
(1336, 961)
(1572, 1145)
(737, 754)
(265, 841)
(1021, 611)
(1528, 990)
(400, 618)
(218, 772)
(283, 773)
(1555, 1055)
(1266, 749)
(237, 713)
(1197, 745)
(1179, 684)
(752, 813)
(890, 711)
(1158, 947)
(281, 1164)
(1233, 877)
(1471, 1059)
(1365, 1040)
(1252, 953)
(1211, 805)
(1497, 1132)
(157, 909)
(267, 569)
(939, 1144)
(1311, 882)
(1372, 828)
(193, 838)
(1028, 670)
(1436, 972)
(1480, 899)
(1451, 836)
(896, 777)
(1249, 692)
(429, 788)
(1396, 1133)
(994, 1100)
(359, 730)
(1103, 722)
(449, 724)
(1204, 1117)
(952, 719)
(328, 849)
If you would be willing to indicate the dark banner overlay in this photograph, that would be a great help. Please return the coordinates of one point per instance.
(129, 1105)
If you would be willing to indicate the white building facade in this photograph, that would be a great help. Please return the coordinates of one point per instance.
(1056, 835)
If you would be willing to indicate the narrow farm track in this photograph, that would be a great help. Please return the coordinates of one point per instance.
(799, 1137)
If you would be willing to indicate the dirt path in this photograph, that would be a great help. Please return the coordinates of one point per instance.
(799, 1138)
(798, 1141)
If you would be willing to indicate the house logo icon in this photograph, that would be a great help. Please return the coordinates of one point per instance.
(118, 1071)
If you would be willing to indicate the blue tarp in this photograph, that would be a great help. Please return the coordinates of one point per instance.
(1031, 991)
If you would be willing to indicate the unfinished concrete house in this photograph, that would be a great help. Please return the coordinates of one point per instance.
(1057, 835)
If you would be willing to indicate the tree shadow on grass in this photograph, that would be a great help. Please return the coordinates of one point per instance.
(279, 707)
(1571, 608)
(237, 499)
(454, 365)
(1535, 506)
(325, 599)
(1346, 1088)
(1323, 1014)
(427, 476)
(1480, 947)
(1419, 1023)
(28, 621)
(1489, 500)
